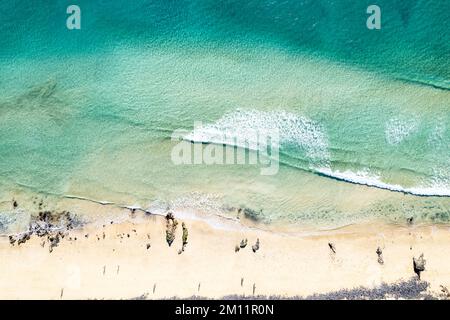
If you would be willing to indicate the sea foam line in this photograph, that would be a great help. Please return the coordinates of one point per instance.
(366, 179)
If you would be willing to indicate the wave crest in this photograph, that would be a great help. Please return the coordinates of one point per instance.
(301, 133)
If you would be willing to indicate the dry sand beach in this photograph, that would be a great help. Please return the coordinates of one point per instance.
(131, 259)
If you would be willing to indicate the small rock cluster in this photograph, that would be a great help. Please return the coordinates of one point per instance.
(419, 265)
(184, 237)
(47, 224)
(171, 227)
(379, 252)
(244, 243)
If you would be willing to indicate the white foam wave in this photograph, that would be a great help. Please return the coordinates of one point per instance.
(292, 129)
(398, 129)
(372, 180)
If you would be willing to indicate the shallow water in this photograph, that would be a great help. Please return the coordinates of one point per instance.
(91, 112)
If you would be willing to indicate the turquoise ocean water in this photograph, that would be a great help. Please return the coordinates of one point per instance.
(364, 115)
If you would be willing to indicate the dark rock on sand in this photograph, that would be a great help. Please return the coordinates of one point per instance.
(243, 243)
(445, 292)
(419, 265)
(255, 247)
(25, 237)
(53, 242)
(380, 255)
(332, 247)
(184, 238)
(185, 234)
(48, 224)
(20, 238)
(171, 227)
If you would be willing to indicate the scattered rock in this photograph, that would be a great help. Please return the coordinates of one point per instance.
(171, 227)
(20, 238)
(53, 242)
(24, 238)
(47, 224)
(380, 255)
(445, 292)
(184, 238)
(15, 204)
(185, 234)
(148, 246)
(255, 247)
(237, 248)
(243, 243)
(332, 247)
(419, 265)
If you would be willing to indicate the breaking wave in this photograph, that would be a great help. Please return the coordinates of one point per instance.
(307, 140)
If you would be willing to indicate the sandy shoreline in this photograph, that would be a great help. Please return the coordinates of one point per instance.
(113, 261)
